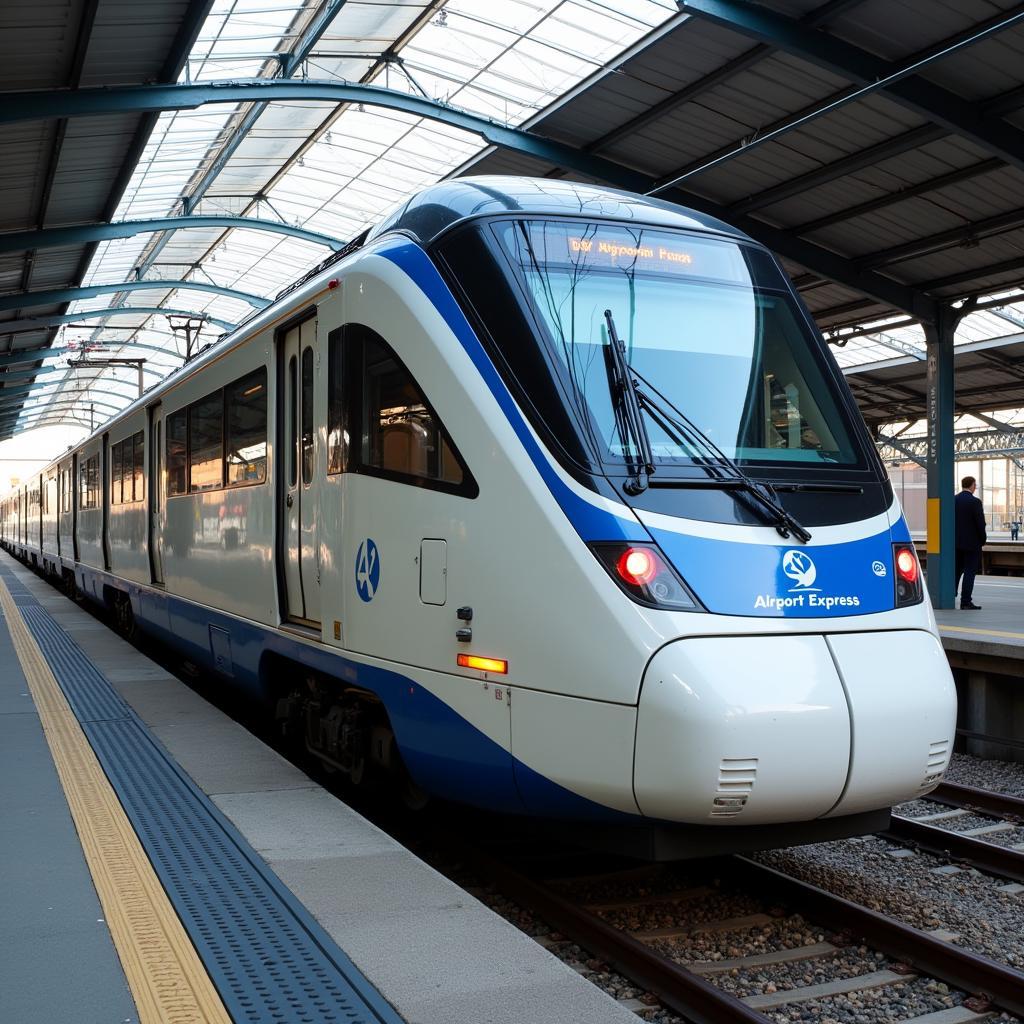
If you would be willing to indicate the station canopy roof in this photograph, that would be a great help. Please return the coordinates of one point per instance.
(876, 145)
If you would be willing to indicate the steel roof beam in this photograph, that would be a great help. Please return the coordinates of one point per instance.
(20, 415)
(31, 390)
(32, 355)
(24, 413)
(23, 421)
(884, 441)
(909, 140)
(37, 323)
(46, 370)
(32, 105)
(813, 19)
(926, 99)
(290, 63)
(56, 421)
(58, 296)
(943, 240)
(987, 443)
(905, 142)
(900, 196)
(49, 238)
(964, 276)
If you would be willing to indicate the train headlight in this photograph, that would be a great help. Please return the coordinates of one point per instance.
(907, 575)
(642, 572)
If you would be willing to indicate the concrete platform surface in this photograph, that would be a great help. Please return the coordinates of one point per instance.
(59, 962)
(997, 630)
(436, 953)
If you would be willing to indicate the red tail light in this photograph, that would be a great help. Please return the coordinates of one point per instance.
(908, 575)
(637, 566)
(906, 564)
(642, 572)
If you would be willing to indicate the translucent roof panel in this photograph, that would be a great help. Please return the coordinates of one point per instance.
(893, 338)
(331, 169)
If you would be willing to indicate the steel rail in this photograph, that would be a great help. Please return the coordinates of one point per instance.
(997, 860)
(680, 990)
(969, 971)
(952, 794)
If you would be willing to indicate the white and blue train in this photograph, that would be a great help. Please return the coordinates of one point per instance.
(547, 498)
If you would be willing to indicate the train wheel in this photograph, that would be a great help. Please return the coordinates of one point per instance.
(124, 617)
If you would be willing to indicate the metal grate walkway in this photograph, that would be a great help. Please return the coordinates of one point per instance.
(269, 959)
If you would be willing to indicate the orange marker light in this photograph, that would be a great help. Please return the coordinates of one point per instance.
(483, 664)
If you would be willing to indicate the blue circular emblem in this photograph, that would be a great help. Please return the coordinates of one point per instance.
(367, 570)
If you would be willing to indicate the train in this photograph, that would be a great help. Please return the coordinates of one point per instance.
(540, 498)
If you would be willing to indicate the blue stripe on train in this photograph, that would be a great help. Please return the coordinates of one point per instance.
(445, 754)
(589, 521)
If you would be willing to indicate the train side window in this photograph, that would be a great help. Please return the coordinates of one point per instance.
(138, 462)
(337, 434)
(177, 433)
(401, 435)
(206, 443)
(65, 490)
(245, 404)
(307, 415)
(293, 419)
(90, 482)
(117, 472)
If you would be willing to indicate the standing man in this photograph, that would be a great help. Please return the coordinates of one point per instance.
(970, 536)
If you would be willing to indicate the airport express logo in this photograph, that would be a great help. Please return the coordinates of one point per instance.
(799, 568)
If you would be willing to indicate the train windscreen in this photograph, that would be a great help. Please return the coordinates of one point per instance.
(709, 324)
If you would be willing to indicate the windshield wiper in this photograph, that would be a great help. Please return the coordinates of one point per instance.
(684, 432)
(628, 415)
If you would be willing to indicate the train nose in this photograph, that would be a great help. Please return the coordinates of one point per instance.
(754, 730)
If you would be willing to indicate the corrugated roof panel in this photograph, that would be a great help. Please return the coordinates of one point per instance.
(964, 257)
(128, 38)
(895, 28)
(667, 66)
(37, 42)
(984, 69)
(24, 147)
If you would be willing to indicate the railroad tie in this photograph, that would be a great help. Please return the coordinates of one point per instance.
(841, 986)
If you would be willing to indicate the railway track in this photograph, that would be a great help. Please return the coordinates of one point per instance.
(690, 990)
(931, 832)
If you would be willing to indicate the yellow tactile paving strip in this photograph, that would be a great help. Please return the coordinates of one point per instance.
(983, 632)
(166, 976)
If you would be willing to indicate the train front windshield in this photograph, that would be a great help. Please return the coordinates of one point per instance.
(708, 322)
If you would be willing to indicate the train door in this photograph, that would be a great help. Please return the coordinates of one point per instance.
(297, 369)
(156, 495)
(104, 497)
(42, 500)
(75, 499)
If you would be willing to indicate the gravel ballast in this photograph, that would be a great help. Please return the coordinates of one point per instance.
(998, 776)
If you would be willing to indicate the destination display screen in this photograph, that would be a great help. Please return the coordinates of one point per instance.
(639, 250)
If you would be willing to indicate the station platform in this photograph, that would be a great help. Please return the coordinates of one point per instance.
(995, 632)
(986, 650)
(161, 864)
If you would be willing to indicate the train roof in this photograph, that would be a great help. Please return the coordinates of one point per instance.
(434, 209)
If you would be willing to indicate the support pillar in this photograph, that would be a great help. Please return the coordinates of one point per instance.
(941, 545)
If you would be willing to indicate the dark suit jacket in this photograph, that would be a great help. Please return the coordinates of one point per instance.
(970, 522)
